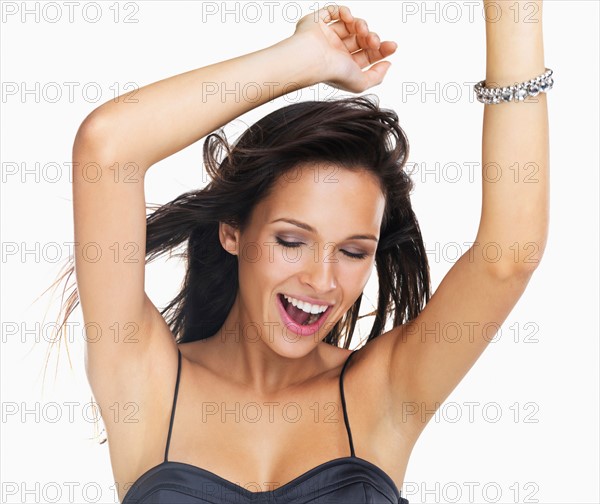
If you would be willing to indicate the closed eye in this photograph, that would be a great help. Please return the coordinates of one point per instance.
(297, 244)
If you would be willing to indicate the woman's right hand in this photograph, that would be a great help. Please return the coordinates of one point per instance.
(344, 46)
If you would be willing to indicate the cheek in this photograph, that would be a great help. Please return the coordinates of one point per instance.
(285, 262)
(354, 279)
(266, 264)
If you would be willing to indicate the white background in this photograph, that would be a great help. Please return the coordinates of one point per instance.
(544, 448)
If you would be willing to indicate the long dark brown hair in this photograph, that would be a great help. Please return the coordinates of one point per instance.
(352, 132)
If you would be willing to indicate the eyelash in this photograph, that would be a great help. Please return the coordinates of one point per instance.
(297, 244)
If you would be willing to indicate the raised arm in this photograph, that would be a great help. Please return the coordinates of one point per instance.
(120, 140)
(171, 114)
(430, 355)
(113, 149)
(514, 217)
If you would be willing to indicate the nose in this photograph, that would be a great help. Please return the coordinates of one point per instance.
(319, 270)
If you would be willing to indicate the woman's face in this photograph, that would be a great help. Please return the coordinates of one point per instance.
(329, 264)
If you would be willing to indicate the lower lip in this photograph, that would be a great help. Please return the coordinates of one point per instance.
(299, 329)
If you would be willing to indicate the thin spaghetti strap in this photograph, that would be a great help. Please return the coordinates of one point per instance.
(174, 403)
(344, 404)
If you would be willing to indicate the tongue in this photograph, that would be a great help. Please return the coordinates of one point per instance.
(296, 314)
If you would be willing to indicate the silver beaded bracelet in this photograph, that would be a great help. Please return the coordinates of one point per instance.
(491, 96)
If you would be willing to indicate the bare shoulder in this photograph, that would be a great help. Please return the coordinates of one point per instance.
(367, 376)
(371, 360)
(377, 434)
(136, 406)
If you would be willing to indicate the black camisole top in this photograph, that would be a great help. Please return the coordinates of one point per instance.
(344, 480)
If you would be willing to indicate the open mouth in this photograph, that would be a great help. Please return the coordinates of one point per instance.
(299, 316)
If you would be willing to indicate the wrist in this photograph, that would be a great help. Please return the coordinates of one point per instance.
(301, 58)
(513, 12)
(514, 41)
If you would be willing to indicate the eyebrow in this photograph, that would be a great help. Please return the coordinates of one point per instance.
(309, 228)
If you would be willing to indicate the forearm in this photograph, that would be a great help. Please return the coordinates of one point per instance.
(515, 149)
(166, 116)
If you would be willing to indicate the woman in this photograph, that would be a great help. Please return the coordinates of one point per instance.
(243, 394)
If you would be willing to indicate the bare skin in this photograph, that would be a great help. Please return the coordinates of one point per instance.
(402, 367)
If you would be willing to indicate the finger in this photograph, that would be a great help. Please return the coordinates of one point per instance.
(354, 32)
(371, 41)
(351, 43)
(344, 28)
(383, 50)
(370, 44)
(361, 29)
(341, 26)
(374, 75)
(331, 13)
(362, 39)
(387, 48)
(340, 29)
(345, 14)
(366, 57)
(366, 39)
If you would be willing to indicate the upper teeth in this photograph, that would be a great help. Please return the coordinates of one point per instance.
(307, 307)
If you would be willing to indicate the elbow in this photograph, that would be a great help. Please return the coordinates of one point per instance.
(93, 132)
(510, 259)
(511, 269)
(92, 143)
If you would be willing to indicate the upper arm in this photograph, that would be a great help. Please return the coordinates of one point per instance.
(430, 355)
(110, 236)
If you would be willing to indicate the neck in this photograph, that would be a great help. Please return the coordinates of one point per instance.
(262, 358)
